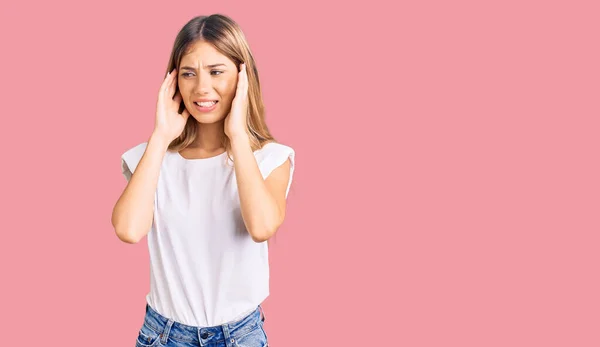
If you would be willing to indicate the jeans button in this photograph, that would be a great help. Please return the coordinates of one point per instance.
(204, 334)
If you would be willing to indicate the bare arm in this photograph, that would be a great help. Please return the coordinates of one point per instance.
(262, 201)
(133, 213)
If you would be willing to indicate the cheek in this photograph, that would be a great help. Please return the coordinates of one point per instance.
(185, 91)
(181, 85)
(227, 89)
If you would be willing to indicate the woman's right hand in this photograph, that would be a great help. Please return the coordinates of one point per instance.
(169, 123)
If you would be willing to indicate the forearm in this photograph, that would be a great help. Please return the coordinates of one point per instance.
(259, 208)
(134, 211)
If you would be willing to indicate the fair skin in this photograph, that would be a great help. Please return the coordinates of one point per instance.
(262, 201)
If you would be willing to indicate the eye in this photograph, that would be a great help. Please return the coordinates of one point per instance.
(216, 73)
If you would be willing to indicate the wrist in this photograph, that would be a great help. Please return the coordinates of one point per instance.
(239, 139)
(159, 140)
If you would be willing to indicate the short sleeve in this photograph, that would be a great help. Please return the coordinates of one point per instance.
(131, 158)
(273, 155)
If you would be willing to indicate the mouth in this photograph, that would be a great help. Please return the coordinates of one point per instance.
(206, 106)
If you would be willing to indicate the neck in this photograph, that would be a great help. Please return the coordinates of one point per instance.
(210, 136)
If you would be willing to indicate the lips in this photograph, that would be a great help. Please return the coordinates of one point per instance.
(205, 103)
(206, 106)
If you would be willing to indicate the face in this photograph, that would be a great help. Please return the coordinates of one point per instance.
(206, 74)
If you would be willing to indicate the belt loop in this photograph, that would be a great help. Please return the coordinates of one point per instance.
(167, 330)
(262, 312)
(228, 340)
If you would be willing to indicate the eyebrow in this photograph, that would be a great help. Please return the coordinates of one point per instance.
(207, 66)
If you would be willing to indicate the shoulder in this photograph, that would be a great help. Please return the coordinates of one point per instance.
(133, 154)
(273, 155)
(131, 157)
(275, 149)
(141, 147)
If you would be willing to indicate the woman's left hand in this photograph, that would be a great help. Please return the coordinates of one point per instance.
(235, 122)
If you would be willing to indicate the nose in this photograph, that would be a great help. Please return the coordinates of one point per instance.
(203, 84)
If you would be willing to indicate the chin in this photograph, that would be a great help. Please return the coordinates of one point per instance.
(208, 118)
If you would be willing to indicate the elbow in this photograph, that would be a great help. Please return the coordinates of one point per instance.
(125, 233)
(130, 230)
(127, 236)
(121, 231)
(262, 234)
(259, 238)
(263, 230)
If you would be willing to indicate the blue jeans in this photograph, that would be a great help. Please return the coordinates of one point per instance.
(161, 331)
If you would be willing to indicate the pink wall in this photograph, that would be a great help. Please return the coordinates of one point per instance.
(446, 183)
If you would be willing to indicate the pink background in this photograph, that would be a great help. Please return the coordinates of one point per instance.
(446, 191)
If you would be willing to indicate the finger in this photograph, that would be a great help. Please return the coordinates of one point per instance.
(172, 85)
(245, 78)
(166, 81)
(169, 73)
(240, 81)
(169, 89)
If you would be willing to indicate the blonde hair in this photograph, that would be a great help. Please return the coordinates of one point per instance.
(227, 37)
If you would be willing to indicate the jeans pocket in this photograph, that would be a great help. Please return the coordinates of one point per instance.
(255, 338)
(147, 337)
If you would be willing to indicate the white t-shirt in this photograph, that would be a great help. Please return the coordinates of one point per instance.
(205, 269)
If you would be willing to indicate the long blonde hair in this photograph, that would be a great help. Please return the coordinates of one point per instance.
(227, 37)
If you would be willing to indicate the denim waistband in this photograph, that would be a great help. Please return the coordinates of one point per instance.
(169, 328)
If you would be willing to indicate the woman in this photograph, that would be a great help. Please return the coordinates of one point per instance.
(208, 191)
